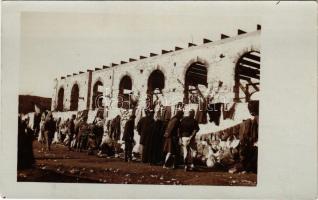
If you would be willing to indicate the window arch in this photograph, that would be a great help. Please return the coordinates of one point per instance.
(74, 97)
(97, 92)
(60, 99)
(196, 74)
(247, 76)
(156, 82)
(125, 86)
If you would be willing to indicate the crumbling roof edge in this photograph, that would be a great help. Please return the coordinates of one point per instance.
(213, 43)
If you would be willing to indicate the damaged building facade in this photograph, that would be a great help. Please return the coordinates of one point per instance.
(231, 64)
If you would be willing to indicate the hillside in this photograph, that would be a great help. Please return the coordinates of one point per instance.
(27, 102)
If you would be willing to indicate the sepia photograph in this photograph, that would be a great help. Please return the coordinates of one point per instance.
(96, 107)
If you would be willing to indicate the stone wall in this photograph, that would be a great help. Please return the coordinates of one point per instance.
(82, 80)
(220, 58)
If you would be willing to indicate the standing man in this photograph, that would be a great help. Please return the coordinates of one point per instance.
(188, 129)
(49, 129)
(171, 144)
(71, 130)
(83, 132)
(128, 137)
(155, 141)
(36, 123)
(115, 131)
(140, 132)
(144, 128)
(25, 148)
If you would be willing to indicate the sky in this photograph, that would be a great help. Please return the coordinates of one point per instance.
(54, 44)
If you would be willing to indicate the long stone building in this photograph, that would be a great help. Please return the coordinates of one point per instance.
(232, 64)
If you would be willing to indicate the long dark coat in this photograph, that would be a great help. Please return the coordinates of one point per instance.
(128, 135)
(36, 123)
(25, 148)
(115, 129)
(98, 131)
(144, 128)
(155, 142)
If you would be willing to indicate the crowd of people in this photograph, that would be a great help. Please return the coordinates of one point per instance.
(167, 142)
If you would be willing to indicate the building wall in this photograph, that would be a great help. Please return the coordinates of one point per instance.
(105, 76)
(173, 65)
(82, 80)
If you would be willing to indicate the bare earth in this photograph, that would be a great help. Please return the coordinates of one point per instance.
(61, 165)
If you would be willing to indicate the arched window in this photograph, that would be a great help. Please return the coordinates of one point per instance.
(247, 76)
(97, 93)
(156, 82)
(60, 99)
(74, 97)
(197, 74)
(125, 87)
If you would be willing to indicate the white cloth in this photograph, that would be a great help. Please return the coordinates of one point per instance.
(56, 138)
(66, 140)
(73, 143)
(41, 134)
(241, 112)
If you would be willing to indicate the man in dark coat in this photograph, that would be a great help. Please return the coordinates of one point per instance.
(188, 129)
(115, 131)
(115, 128)
(49, 130)
(140, 128)
(36, 123)
(171, 143)
(83, 131)
(144, 128)
(155, 141)
(249, 149)
(25, 148)
(128, 137)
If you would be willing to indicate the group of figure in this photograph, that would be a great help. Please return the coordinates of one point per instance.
(161, 141)
(75, 133)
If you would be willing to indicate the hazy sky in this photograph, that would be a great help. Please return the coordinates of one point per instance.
(55, 44)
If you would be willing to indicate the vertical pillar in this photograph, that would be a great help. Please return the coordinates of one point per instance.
(109, 106)
(89, 88)
(236, 89)
(143, 96)
(54, 96)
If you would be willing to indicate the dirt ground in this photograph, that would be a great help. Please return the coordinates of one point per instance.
(61, 165)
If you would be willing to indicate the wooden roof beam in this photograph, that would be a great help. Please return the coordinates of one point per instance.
(224, 36)
(240, 32)
(191, 44)
(177, 48)
(153, 54)
(206, 41)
